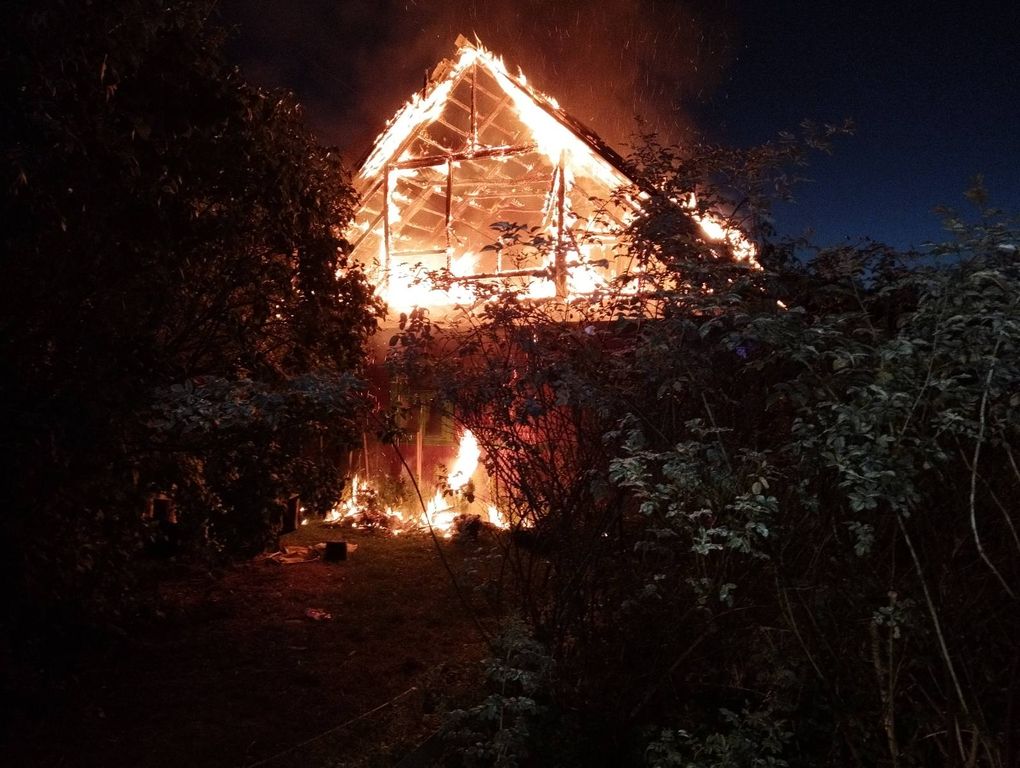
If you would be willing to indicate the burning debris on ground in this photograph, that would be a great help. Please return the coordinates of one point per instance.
(445, 512)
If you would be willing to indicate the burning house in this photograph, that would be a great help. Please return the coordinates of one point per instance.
(476, 150)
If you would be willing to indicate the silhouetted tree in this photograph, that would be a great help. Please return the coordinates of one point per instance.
(177, 313)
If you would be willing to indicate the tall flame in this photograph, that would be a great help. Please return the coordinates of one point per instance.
(464, 466)
(439, 513)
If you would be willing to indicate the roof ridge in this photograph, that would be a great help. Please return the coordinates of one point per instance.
(443, 76)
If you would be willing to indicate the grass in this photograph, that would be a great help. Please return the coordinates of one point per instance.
(232, 672)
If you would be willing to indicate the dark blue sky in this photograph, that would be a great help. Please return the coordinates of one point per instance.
(934, 88)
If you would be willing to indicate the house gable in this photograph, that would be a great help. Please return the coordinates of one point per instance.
(479, 153)
(478, 147)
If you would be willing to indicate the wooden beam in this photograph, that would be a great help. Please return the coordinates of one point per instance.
(474, 118)
(432, 252)
(560, 261)
(367, 232)
(386, 223)
(419, 227)
(449, 206)
(543, 272)
(437, 160)
(453, 128)
(525, 182)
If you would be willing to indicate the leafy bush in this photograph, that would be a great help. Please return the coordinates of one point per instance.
(501, 730)
(747, 740)
(255, 446)
(781, 492)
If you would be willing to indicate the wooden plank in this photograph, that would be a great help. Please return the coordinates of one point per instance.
(449, 209)
(474, 116)
(560, 260)
(431, 252)
(453, 128)
(510, 150)
(367, 232)
(386, 222)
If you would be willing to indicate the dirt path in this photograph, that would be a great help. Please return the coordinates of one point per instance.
(236, 672)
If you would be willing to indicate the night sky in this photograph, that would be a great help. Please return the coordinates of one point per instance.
(934, 88)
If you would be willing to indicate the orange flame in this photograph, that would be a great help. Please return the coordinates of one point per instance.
(440, 511)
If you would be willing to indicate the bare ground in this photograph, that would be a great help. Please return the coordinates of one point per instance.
(232, 672)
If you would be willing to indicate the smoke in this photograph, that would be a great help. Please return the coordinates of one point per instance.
(608, 62)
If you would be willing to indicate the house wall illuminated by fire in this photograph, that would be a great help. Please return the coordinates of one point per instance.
(476, 147)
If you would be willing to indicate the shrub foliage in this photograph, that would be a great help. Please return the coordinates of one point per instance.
(177, 313)
(760, 517)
